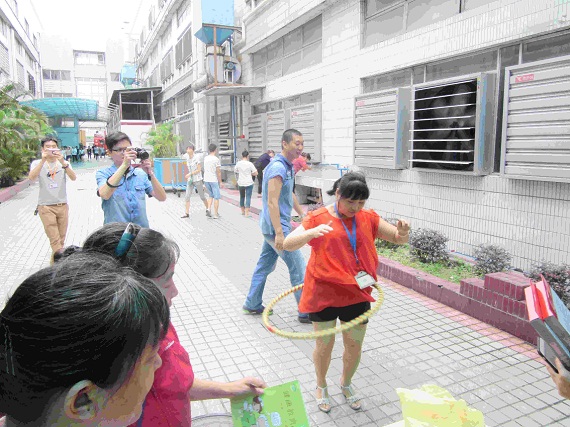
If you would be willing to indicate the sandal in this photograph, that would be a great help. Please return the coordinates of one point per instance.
(324, 403)
(185, 216)
(353, 399)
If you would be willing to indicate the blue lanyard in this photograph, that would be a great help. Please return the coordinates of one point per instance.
(351, 236)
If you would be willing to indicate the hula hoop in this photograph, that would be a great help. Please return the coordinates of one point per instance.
(325, 332)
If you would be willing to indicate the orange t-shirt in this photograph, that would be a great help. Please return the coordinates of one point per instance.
(329, 279)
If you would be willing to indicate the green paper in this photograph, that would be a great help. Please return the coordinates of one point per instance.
(278, 406)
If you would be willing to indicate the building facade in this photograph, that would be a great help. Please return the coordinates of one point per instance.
(19, 48)
(456, 110)
(89, 73)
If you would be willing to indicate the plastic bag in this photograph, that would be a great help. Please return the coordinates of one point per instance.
(433, 406)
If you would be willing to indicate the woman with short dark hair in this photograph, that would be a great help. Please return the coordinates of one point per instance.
(78, 344)
(341, 269)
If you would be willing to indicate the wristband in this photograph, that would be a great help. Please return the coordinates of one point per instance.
(111, 185)
(65, 167)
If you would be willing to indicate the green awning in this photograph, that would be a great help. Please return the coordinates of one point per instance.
(81, 109)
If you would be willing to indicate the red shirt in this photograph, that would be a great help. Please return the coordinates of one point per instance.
(329, 279)
(168, 403)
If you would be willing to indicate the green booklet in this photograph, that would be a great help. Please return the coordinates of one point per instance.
(278, 406)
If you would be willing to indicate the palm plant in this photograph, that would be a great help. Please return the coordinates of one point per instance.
(163, 140)
(20, 129)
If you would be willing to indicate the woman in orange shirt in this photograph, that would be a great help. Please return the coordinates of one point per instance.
(341, 268)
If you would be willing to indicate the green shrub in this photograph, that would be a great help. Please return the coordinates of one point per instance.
(14, 163)
(557, 276)
(491, 259)
(427, 245)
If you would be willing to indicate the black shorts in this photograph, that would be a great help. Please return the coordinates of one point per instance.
(345, 314)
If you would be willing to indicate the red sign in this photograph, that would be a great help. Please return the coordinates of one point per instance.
(524, 78)
(360, 103)
(294, 114)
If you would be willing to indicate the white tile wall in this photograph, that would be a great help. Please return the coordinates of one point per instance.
(530, 219)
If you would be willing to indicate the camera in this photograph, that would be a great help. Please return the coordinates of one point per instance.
(142, 154)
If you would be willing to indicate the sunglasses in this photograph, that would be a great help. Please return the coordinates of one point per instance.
(126, 241)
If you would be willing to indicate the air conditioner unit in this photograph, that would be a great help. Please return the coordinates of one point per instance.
(452, 125)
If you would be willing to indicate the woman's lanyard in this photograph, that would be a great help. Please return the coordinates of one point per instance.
(351, 236)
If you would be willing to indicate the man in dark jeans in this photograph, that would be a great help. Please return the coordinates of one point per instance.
(260, 164)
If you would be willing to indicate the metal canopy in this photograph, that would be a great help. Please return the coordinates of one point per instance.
(81, 109)
(231, 90)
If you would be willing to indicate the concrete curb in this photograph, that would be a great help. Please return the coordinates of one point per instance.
(9, 192)
(498, 300)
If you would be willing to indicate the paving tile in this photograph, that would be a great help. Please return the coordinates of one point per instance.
(412, 340)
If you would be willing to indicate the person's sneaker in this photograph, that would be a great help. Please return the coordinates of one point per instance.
(304, 319)
(258, 311)
(208, 214)
(215, 216)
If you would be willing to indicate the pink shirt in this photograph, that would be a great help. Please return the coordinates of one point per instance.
(168, 403)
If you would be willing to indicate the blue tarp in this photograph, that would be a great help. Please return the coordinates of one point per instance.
(81, 109)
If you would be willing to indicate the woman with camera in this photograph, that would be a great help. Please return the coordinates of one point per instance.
(122, 186)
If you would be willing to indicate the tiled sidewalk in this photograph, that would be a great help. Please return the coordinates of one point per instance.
(411, 341)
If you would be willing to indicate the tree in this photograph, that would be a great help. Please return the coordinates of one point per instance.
(21, 127)
(163, 140)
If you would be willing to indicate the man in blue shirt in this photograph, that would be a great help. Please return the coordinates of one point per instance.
(278, 200)
(123, 187)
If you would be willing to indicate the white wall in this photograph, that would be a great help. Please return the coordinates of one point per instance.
(529, 218)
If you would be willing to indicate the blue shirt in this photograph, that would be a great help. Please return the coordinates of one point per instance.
(127, 204)
(282, 167)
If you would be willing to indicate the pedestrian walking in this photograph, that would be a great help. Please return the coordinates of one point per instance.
(260, 164)
(52, 171)
(245, 171)
(213, 180)
(74, 153)
(151, 254)
(278, 201)
(341, 269)
(89, 151)
(122, 187)
(78, 344)
(194, 179)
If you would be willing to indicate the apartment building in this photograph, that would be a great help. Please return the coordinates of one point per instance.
(89, 72)
(456, 110)
(19, 48)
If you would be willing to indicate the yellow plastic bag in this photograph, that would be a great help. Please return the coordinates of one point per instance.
(433, 406)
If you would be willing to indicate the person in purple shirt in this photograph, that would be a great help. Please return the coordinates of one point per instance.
(260, 164)
(122, 187)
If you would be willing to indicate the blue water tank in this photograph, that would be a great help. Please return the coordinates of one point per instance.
(213, 12)
(128, 75)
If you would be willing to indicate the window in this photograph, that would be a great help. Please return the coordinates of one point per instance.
(183, 49)
(92, 88)
(57, 95)
(151, 18)
(27, 27)
(184, 102)
(384, 19)
(166, 66)
(472, 4)
(89, 58)
(3, 28)
(19, 47)
(61, 122)
(56, 74)
(4, 59)
(31, 84)
(115, 77)
(21, 73)
(296, 50)
(182, 12)
(546, 48)
(165, 38)
(35, 42)
(291, 102)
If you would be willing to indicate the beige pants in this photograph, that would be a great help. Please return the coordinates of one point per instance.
(55, 218)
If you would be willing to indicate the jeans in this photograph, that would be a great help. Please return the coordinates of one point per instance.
(266, 264)
(245, 193)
